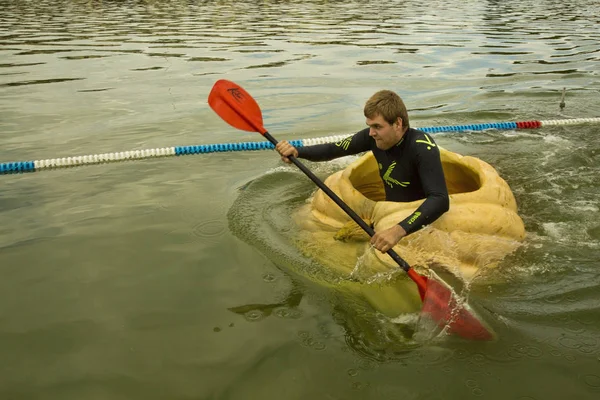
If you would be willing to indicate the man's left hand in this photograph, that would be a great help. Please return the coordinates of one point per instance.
(385, 240)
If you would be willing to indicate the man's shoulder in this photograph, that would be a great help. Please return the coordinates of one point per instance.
(420, 140)
(363, 132)
(417, 134)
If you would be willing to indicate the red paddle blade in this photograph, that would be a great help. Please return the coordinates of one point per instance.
(444, 307)
(236, 107)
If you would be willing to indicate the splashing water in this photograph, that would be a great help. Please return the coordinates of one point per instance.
(444, 317)
(364, 274)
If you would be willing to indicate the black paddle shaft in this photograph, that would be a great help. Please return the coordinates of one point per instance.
(403, 264)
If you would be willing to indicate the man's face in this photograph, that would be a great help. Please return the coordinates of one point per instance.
(385, 135)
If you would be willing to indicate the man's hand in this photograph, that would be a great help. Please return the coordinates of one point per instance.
(286, 150)
(385, 240)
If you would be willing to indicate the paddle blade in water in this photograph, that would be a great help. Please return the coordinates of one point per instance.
(444, 307)
(236, 107)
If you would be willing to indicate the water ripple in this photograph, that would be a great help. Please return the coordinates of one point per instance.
(505, 38)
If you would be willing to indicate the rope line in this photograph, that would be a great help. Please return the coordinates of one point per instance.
(66, 162)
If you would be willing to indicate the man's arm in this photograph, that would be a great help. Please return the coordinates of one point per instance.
(431, 174)
(351, 145)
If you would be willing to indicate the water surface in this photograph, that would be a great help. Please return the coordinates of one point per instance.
(120, 281)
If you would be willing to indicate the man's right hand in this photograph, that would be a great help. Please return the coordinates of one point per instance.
(286, 150)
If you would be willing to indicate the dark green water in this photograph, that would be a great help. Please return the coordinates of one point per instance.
(121, 281)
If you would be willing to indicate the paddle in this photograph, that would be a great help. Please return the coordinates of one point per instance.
(236, 107)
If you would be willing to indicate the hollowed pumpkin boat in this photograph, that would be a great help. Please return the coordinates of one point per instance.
(481, 227)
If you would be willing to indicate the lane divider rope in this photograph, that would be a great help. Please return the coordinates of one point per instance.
(66, 162)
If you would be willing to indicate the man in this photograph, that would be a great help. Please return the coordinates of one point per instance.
(409, 163)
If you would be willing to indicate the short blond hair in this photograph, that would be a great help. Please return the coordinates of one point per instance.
(389, 105)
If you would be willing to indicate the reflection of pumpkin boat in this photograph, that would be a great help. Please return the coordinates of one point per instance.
(481, 227)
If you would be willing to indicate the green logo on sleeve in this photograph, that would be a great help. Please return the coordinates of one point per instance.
(428, 142)
(345, 143)
(414, 217)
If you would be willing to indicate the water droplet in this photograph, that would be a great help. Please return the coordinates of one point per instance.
(303, 334)
(569, 343)
(208, 229)
(477, 392)
(571, 358)
(534, 352)
(586, 350)
(360, 385)
(319, 346)
(253, 315)
(590, 342)
(478, 359)
(282, 312)
(471, 383)
(592, 380)
(574, 327)
(516, 351)
(352, 372)
(269, 278)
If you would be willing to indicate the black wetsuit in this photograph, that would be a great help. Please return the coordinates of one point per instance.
(411, 170)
